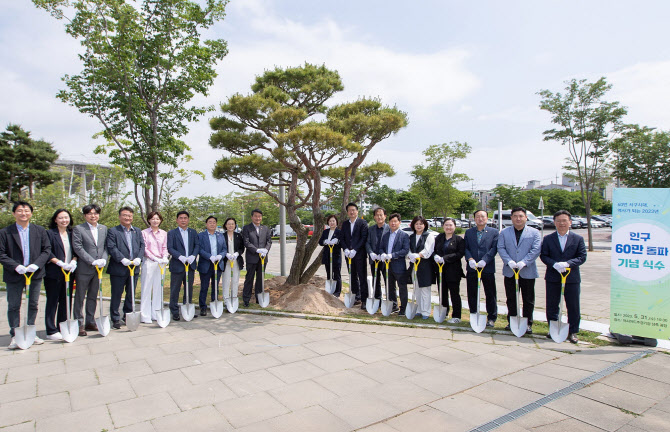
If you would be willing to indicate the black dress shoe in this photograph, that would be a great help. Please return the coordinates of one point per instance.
(508, 328)
(91, 327)
(572, 338)
(82, 332)
(246, 304)
(357, 302)
(203, 312)
(548, 336)
(175, 317)
(116, 325)
(395, 309)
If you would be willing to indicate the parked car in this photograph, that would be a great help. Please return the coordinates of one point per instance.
(548, 222)
(604, 219)
(465, 223)
(533, 221)
(289, 231)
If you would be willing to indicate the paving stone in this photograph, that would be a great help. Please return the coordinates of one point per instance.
(370, 354)
(416, 362)
(319, 334)
(335, 362)
(314, 418)
(429, 342)
(291, 354)
(537, 383)
(102, 394)
(251, 409)
(505, 395)
(466, 336)
(446, 354)
(568, 424)
(143, 408)
(159, 383)
(204, 419)
(469, 408)
(134, 354)
(327, 346)
(252, 362)
(539, 417)
(638, 385)
(297, 371)
(441, 382)
(36, 370)
(475, 374)
(559, 372)
(168, 362)
(427, 418)
(663, 405)
(28, 426)
(215, 354)
(255, 333)
(648, 369)
(475, 348)
(111, 345)
(511, 340)
(94, 419)
(361, 409)
(617, 398)
(403, 346)
(591, 412)
(501, 363)
(345, 382)
(531, 355)
(289, 340)
(93, 361)
(583, 361)
(66, 350)
(18, 390)
(653, 420)
(255, 347)
(145, 341)
(301, 394)
(402, 394)
(123, 371)
(65, 382)
(19, 358)
(384, 371)
(209, 371)
(378, 427)
(33, 409)
(355, 340)
(221, 340)
(252, 382)
(182, 346)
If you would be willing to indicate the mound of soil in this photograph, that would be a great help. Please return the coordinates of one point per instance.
(309, 297)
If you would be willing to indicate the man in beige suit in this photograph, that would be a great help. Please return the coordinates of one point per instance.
(88, 242)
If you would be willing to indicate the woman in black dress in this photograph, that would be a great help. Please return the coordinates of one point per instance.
(330, 237)
(421, 244)
(449, 250)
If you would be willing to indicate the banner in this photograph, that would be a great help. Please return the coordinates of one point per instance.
(640, 284)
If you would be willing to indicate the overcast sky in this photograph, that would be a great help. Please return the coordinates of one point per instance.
(466, 71)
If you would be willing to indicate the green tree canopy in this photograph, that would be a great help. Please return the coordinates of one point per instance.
(641, 157)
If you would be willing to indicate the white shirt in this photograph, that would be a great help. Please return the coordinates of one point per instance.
(66, 245)
(563, 239)
(352, 226)
(428, 246)
(94, 232)
(331, 233)
(184, 237)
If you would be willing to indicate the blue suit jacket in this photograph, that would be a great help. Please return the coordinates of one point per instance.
(175, 246)
(204, 264)
(574, 254)
(527, 251)
(117, 247)
(485, 250)
(398, 252)
(356, 240)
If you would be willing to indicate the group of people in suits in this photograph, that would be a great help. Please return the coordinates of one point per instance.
(425, 256)
(84, 250)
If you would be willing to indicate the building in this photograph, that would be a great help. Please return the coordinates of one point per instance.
(81, 179)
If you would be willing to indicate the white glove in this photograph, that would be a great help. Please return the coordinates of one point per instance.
(99, 263)
(73, 265)
(137, 261)
(438, 259)
(520, 265)
(564, 265)
(165, 260)
(481, 263)
(374, 256)
(262, 251)
(183, 259)
(346, 253)
(191, 259)
(386, 257)
(229, 257)
(327, 242)
(126, 262)
(352, 253)
(219, 257)
(235, 255)
(511, 264)
(472, 264)
(20, 269)
(61, 264)
(334, 241)
(213, 259)
(32, 268)
(558, 267)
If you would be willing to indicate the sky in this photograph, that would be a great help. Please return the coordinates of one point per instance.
(462, 71)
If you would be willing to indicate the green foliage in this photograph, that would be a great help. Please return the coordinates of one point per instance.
(554, 200)
(641, 157)
(394, 201)
(142, 65)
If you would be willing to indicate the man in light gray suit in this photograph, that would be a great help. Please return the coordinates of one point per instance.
(257, 241)
(519, 246)
(88, 242)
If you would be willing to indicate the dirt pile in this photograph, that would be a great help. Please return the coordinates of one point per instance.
(309, 297)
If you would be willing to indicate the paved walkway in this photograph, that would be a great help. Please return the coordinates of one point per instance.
(252, 372)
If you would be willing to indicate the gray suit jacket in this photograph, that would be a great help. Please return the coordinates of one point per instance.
(253, 241)
(86, 249)
(527, 251)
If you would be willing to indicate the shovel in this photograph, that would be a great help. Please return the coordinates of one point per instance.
(132, 318)
(232, 303)
(387, 305)
(349, 297)
(518, 324)
(440, 312)
(372, 304)
(331, 283)
(478, 321)
(263, 297)
(162, 314)
(25, 336)
(102, 321)
(216, 306)
(410, 310)
(187, 309)
(70, 328)
(557, 330)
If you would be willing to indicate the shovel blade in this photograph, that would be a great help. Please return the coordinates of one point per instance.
(410, 311)
(188, 311)
(371, 305)
(103, 325)
(330, 286)
(70, 330)
(558, 331)
(439, 313)
(232, 304)
(216, 308)
(133, 320)
(518, 325)
(387, 307)
(163, 317)
(349, 300)
(25, 336)
(263, 299)
(478, 322)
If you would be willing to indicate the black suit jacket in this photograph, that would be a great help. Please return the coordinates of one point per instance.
(175, 246)
(117, 247)
(11, 253)
(453, 257)
(356, 240)
(337, 249)
(253, 242)
(58, 252)
(574, 254)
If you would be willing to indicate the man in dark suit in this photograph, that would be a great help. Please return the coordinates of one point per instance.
(257, 241)
(481, 246)
(395, 247)
(24, 249)
(183, 245)
(212, 249)
(88, 243)
(560, 250)
(373, 246)
(354, 236)
(125, 245)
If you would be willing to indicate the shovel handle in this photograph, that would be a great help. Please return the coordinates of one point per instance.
(479, 272)
(331, 249)
(564, 278)
(516, 273)
(99, 270)
(162, 267)
(416, 264)
(232, 263)
(28, 278)
(440, 266)
(131, 267)
(262, 259)
(66, 273)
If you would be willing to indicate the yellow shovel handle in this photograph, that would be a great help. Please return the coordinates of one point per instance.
(131, 267)
(440, 265)
(186, 265)
(162, 267)
(66, 273)
(28, 278)
(416, 263)
(564, 278)
(516, 273)
(99, 270)
(479, 272)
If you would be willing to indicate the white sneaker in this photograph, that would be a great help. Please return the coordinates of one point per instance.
(40, 341)
(454, 321)
(12, 344)
(55, 337)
